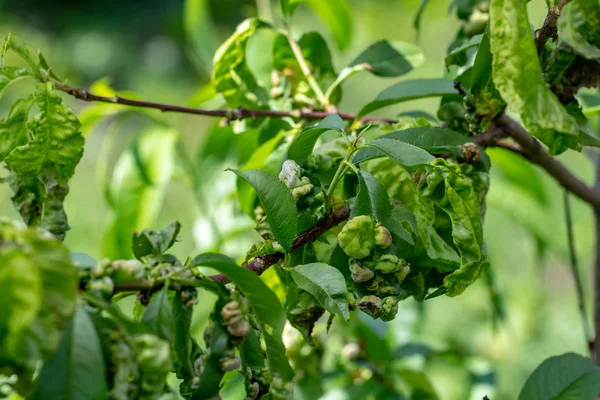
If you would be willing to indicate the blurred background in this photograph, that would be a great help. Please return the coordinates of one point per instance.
(162, 50)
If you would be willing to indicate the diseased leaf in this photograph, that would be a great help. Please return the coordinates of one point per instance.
(231, 75)
(41, 168)
(278, 202)
(403, 153)
(138, 187)
(433, 140)
(564, 377)
(77, 369)
(389, 59)
(410, 90)
(579, 27)
(266, 306)
(30, 55)
(10, 75)
(303, 144)
(327, 284)
(518, 77)
(158, 317)
(13, 129)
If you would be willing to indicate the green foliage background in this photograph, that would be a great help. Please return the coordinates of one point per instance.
(144, 47)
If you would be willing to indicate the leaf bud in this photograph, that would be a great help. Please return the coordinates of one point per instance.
(383, 237)
(360, 274)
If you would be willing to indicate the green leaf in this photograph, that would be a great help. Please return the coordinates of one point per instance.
(337, 14)
(200, 31)
(399, 216)
(579, 27)
(159, 317)
(371, 199)
(30, 55)
(10, 75)
(267, 308)
(182, 341)
(518, 77)
(419, 15)
(403, 153)
(303, 144)
(153, 242)
(433, 140)
(13, 129)
(76, 371)
(327, 284)
(390, 59)
(458, 56)
(564, 377)
(410, 90)
(41, 168)
(520, 173)
(231, 75)
(278, 202)
(138, 187)
(289, 6)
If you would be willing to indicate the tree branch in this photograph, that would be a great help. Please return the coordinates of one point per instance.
(259, 264)
(237, 114)
(537, 154)
(548, 29)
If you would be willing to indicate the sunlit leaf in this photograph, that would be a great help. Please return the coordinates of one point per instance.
(458, 56)
(371, 199)
(403, 153)
(390, 59)
(579, 27)
(10, 75)
(13, 129)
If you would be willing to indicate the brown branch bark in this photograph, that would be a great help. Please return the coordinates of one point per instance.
(537, 154)
(260, 264)
(237, 114)
(548, 29)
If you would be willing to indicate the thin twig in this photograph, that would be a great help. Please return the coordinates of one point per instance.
(240, 113)
(575, 270)
(307, 72)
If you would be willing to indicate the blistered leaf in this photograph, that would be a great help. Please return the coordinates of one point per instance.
(327, 284)
(231, 75)
(24, 50)
(138, 188)
(579, 27)
(410, 90)
(278, 202)
(518, 77)
(303, 144)
(41, 168)
(37, 288)
(433, 140)
(569, 376)
(400, 186)
(13, 129)
(77, 369)
(403, 153)
(266, 306)
(10, 75)
(390, 59)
